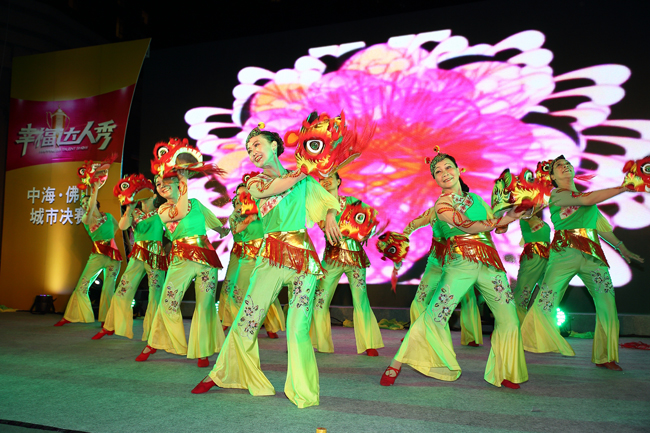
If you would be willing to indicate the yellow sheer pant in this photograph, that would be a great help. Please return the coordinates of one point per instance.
(238, 364)
(470, 317)
(167, 330)
(427, 346)
(237, 288)
(539, 329)
(366, 330)
(120, 315)
(79, 308)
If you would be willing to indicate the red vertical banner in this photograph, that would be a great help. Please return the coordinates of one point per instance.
(67, 107)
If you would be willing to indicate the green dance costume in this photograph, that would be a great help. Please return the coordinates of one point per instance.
(192, 258)
(104, 257)
(470, 317)
(471, 260)
(147, 257)
(346, 257)
(575, 250)
(286, 257)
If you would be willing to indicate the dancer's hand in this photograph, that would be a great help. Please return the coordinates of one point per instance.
(629, 255)
(332, 230)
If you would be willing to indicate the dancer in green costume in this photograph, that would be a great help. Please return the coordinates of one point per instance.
(471, 260)
(104, 257)
(147, 258)
(470, 318)
(576, 250)
(346, 257)
(285, 201)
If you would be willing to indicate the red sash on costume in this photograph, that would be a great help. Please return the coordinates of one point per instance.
(531, 249)
(107, 248)
(477, 248)
(197, 249)
(584, 240)
(150, 252)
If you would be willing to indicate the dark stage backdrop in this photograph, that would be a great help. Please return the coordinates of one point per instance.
(495, 83)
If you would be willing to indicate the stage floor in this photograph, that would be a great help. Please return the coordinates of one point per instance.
(59, 377)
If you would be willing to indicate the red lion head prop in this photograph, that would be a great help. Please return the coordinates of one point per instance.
(248, 205)
(91, 172)
(133, 188)
(324, 145)
(521, 192)
(637, 175)
(178, 154)
(358, 221)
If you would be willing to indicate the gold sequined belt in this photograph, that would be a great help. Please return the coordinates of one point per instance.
(541, 249)
(195, 248)
(150, 252)
(107, 248)
(477, 248)
(341, 255)
(293, 250)
(584, 240)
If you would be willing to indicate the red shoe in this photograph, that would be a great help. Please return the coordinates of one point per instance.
(145, 355)
(473, 344)
(372, 352)
(101, 333)
(224, 328)
(611, 365)
(203, 362)
(509, 384)
(272, 334)
(203, 387)
(62, 322)
(387, 380)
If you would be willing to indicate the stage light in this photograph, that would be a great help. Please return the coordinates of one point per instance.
(561, 317)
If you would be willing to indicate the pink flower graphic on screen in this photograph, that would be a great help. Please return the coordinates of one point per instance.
(490, 106)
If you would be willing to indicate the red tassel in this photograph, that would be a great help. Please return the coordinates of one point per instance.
(393, 280)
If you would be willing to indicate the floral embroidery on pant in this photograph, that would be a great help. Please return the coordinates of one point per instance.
(122, 288)
(111, 272)
(170, 299)
(504, 294)
(360, 281)
(152, 275)
(300, 295)
(319, 301)
(84, 285)
(546, 299)
(207, 282)
(444, 306)
(603, 282)
(251, 318)
(525, 297)
(421, 294)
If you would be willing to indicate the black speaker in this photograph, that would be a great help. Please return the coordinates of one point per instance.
(43, 304)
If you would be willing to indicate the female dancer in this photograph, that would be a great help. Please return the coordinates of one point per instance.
(192, 258)
(345, 257)
(471, 333)
(287, 256)
(250, 231)
(104, 257)
(147, 257)
(575, 250)
(226, 314)
(471, 259)
(533, 261)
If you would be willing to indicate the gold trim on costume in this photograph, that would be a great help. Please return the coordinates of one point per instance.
(293, 250)
(584, 240)
(531, 249)
(477, 247)
(346, 253)
(195, 248)
(150, 252)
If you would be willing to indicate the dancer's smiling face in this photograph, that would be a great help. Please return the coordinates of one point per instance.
(562, 169)
(260, 150)
(446, 174)
(165, 187)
